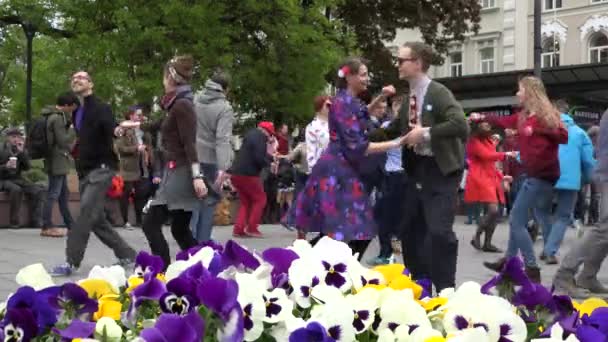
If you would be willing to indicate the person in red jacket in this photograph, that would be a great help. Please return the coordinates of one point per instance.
(540, 132)
(484, 183)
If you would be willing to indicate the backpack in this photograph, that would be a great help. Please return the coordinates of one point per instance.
(37, 142)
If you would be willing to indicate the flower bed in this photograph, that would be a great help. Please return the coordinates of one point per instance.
(298, 293)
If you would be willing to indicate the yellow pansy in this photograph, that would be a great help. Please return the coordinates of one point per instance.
(403, 282)
(395, 279)
(435, 339)
(589, 305)
(433, 303)
(107, 298)
(97, 288)
(390, 272)
(109, 306)
(133, 282)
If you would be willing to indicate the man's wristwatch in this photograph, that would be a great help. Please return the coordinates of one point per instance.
(198, 176)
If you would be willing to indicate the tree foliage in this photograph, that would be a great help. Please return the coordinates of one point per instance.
(281, 53)
(375, 22)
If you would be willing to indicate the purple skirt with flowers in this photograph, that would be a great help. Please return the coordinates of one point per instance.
(334, 201)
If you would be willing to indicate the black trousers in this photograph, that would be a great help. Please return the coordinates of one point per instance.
(180, 229)
(388, 210)
(430, 246)
(142, 191)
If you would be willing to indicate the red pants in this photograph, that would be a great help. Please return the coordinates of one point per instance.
(253, 200)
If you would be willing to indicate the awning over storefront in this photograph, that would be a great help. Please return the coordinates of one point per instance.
(588, 82)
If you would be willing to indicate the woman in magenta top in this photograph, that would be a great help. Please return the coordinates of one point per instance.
(540, 132)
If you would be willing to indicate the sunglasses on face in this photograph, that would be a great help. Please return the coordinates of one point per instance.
(403, 60)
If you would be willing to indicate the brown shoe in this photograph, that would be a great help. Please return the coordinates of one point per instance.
(551, 260)
(495, 266)
(53, 232)
(533, 274)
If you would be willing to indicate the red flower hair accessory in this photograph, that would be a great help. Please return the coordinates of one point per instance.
(345, 70)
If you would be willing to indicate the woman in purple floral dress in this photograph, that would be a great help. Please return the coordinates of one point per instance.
(335, 202)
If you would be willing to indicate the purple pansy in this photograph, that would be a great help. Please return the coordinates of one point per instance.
(180, 297)
(185, 254)
(19, 324)
(147, 263)
(236, 255)
(587, 333)
(427, 287)
(334, 275)
(76, 329)
(513, 271)
(150, 289)
(27, 298)
(532, 296)
(313, 332)
(280, 259)
(72, 299)
(598, 320)
(170, 327)
(220, 296)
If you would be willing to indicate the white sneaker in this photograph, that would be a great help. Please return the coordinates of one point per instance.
(128, 226)
(579, 228)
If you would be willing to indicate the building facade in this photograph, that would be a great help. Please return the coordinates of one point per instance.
(573, 32)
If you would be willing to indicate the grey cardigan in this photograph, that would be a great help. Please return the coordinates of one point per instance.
(215, 117)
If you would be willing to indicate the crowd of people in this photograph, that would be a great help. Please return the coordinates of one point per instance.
(389, 165)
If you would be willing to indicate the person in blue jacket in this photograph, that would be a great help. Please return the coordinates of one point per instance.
(576, 164)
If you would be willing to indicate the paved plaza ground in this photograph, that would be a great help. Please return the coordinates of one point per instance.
(22, 247)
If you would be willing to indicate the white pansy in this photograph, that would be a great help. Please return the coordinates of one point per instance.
(301, 247)
(510, 325)
(470, 335)
(557, 335)
(337, 318)
(252, 303)
(364, 304)
(34, 275)
(114, 275)
(108, 330)
(362, 276)
(283, 330)
(335, 256)
(304, 274)
(278, 306)
(204, 256)
(399, 310)
(423, 334)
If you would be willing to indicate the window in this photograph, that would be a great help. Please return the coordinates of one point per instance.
(550, 54)
(456, 64)
(488, 3)
(598, 48)
(552, 4)
(486, 57)
(598, 1)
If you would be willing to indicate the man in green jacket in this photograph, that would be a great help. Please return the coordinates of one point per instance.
(58, 163)
(433, 159)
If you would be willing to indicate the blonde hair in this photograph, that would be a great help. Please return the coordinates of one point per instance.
(537, 102)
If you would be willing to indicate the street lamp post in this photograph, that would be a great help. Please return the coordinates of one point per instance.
(30, 31)
(537, 42)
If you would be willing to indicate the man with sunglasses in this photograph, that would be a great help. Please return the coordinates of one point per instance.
(433, 158)
(96, 165)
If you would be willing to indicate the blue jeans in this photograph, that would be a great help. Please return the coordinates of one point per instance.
(201, 222)
(58, 191)
(537, 194)
(389, 210)
(554, 234)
